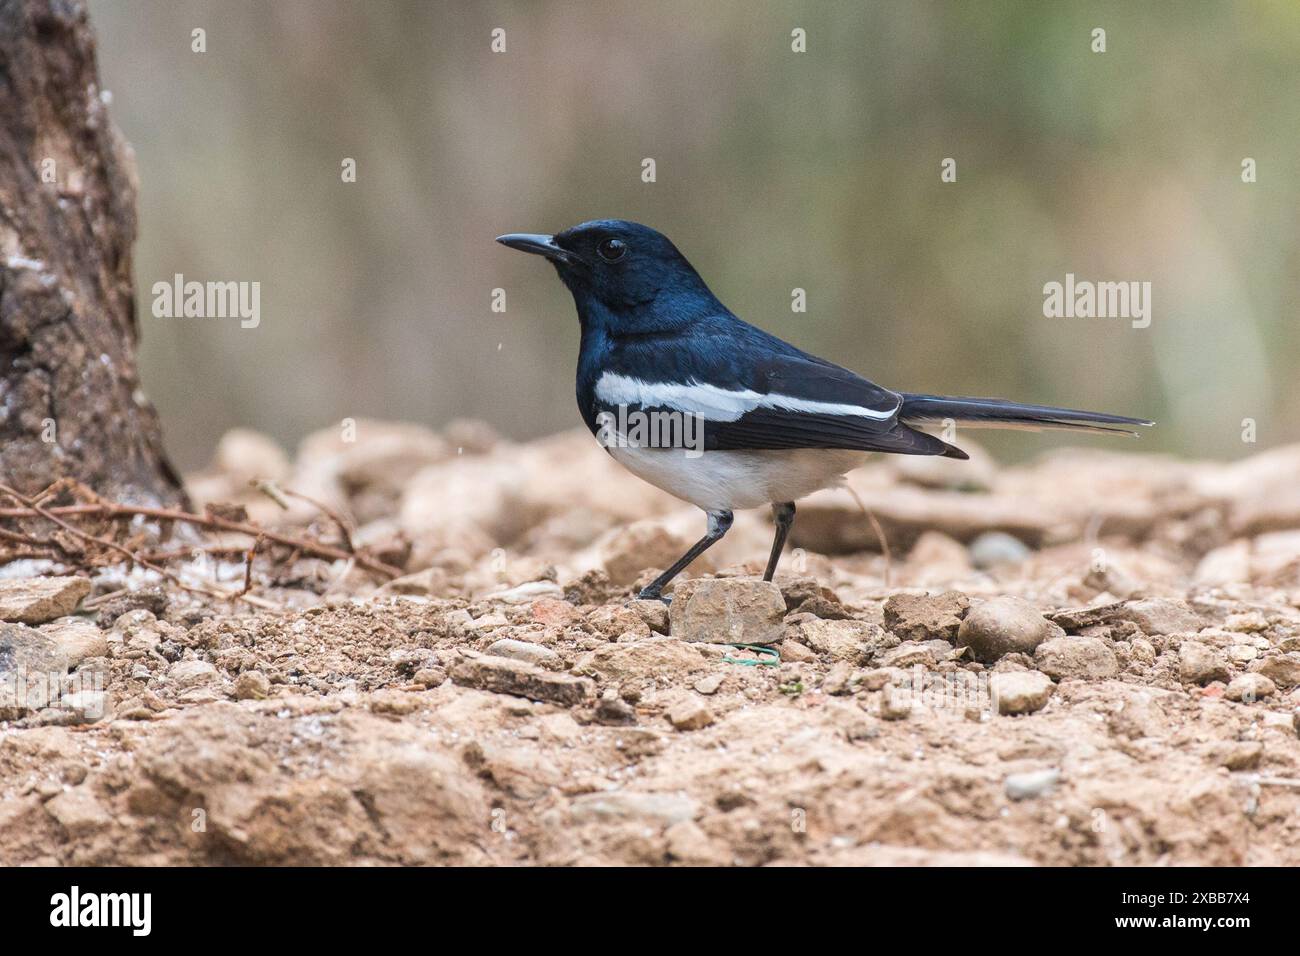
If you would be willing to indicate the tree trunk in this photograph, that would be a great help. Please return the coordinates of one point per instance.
(70, 396)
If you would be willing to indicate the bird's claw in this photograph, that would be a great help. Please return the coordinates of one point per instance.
(647, 595)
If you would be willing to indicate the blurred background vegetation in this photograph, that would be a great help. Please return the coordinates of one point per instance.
(776, 170)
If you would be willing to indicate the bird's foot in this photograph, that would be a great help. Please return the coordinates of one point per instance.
(648, 594)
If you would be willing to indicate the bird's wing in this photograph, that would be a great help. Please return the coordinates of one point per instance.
(758, 400)
(809, 403)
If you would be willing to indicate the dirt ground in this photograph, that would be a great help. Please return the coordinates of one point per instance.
(1093, 659)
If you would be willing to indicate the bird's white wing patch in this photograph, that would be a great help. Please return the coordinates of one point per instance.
(716, 404)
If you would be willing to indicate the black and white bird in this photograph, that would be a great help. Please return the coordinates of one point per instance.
(758, 421)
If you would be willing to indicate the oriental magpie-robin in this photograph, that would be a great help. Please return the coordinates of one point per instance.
(750, 419)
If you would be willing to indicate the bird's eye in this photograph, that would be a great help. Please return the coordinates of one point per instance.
(611, 250)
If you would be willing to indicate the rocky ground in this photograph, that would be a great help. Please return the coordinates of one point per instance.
(1093, 659)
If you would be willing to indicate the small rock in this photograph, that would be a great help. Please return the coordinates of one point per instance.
(191, 673)
(708, 685)
(51, 648)
(917, 617)
(1243, 653)
(994, 548)
(154, 600)
(1036, 783)
(1235, 755)
(880, 677)
(613, 621)
(78, 812)
(523, 651)
(806, 596)
(1004, 625)
(528, 593)
(1199, 664)
(794, 651)
(1161, 616)
(658, 657)
(503, 676)
(1249, 688)
(393, 702)
(429, 676)
(556, 613)
(839, 680)
(251, 685)
(653, 613)
(727, 611)
(1020, 692)
(1282, 669)
(1246, 622)
(1081, 658)
(37, 600)
(895, 703)
(613, 711)
(86, 706)
(852, 641)
(690, 714)
(426, 583)
(909, 654)
(662, 808)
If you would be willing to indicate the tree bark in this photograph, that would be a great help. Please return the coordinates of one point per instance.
(70, 397)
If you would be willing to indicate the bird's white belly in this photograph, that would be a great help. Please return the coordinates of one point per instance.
(730, 480)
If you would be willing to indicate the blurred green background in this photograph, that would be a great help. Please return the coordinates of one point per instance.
(775, 170)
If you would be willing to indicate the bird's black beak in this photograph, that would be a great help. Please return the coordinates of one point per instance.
(538, 245)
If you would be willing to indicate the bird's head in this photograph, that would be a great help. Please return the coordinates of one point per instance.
(619, 271)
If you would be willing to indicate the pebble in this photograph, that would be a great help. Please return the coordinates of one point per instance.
(1281, 669)
(504, 676)
(727, 611)
(191, 673)
(251, 685)
(59, 646)
(918, 617)
(523, 651)
(1035, 783)
(1081, 658)
(709, 685)
(88, 706)
(993, 548)
(851, 641)
(1250, 687)
(690, 714)
(653, 613)
(78, 812)
(839, 679)
(1004, 625)
(1020, 692)
(1199, 664)
(663, 808)
(528, 593)
(38, 600)
(614, 711)
(794, 651)
(895, 704)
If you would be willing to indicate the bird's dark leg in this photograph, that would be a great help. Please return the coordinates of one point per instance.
(719, 523)
(784, 515)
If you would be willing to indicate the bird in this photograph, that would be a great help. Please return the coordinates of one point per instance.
(758, 421)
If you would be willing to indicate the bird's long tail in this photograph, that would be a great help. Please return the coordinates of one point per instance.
(999, 413)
